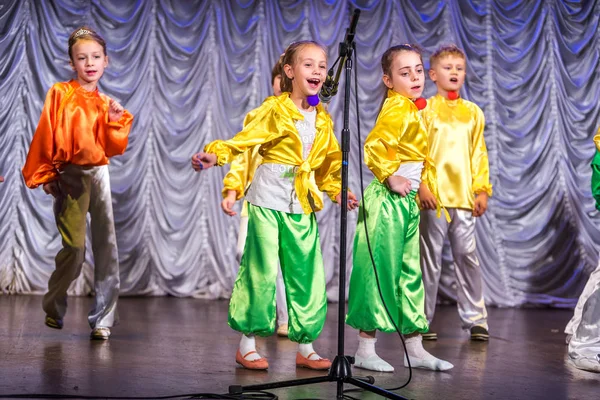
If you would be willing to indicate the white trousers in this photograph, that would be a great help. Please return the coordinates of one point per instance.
(589, 288)
(584, 347)
(461, 234)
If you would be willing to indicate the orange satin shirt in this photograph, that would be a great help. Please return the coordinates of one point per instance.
(73, 129)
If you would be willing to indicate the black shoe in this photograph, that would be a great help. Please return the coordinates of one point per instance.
(480, 333)
(429, 335)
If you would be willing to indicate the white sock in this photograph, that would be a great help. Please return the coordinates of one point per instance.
(367, 358)
(306, 349)
(366, 347)
(248, 344)
(420, 358)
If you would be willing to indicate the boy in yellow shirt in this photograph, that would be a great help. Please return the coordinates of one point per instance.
(457, 147)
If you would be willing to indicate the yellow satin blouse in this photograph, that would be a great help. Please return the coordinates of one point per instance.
(597, 139)
(271, 128)
(457, 147)
(73, 129)
(399, 136)
(241, 172)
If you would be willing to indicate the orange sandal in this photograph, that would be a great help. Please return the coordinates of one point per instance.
(306, 362)
(258, 364)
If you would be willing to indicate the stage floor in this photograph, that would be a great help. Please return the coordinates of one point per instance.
(169, 346)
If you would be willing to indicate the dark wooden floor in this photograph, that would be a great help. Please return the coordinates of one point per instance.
(168, 346)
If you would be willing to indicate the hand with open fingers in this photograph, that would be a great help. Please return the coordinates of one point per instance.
(352, 201)
(428, 201)
(115, 111)
(202, 161)
(228, 203)
(480, 206)
(400, 185)
(52, 188)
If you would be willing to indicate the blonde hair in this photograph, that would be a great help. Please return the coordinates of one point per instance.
(447, 50)
(85, 33)
(290, 57)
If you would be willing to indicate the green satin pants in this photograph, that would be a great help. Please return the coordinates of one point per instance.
(293, 240)
(393, 227)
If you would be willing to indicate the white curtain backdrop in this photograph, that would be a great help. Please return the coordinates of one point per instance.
(190, 70)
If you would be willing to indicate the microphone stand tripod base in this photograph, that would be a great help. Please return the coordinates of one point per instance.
(340, 372)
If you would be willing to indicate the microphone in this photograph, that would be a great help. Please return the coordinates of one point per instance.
(330, 86)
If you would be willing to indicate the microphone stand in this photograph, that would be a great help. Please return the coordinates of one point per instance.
(341, 371)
